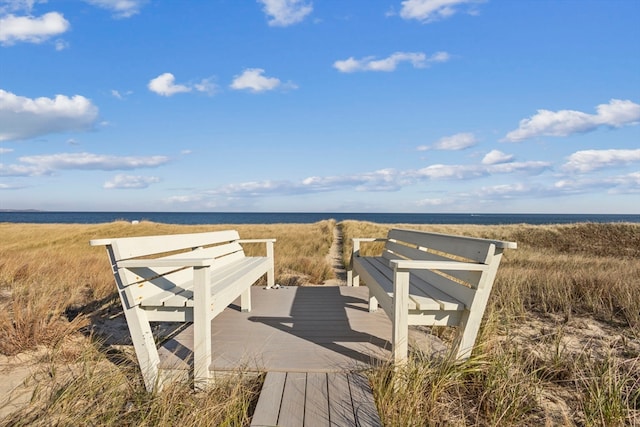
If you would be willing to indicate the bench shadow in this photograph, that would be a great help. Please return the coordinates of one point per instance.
(320, 315)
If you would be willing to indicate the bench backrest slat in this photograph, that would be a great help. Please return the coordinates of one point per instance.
(133, 247)
(395, 250)
(426, 246)
(140, 283)
(470, 248)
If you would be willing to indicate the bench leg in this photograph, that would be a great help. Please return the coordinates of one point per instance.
(400, 333)
(353, 279)
(271, 276)
(144, 344)
(245, 301)
(201, 327)
(373, 302)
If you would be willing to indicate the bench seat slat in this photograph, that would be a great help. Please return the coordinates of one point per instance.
(425, 296)
(182, 295)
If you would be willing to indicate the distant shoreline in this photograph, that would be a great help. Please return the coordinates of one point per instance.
(200, 218)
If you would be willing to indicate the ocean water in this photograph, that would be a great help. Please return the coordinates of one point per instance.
(193, 218)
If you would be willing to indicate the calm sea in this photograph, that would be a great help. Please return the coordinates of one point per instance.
(290, 217)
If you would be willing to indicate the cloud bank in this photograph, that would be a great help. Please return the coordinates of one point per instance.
(616, 113)
(48, 163)
(390, 63)
(130, 182)
(31, 29)
(25, 118)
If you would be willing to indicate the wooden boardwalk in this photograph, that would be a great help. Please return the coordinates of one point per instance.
(311, 341)
(314, 399)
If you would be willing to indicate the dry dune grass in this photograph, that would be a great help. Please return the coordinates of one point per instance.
(560, 343)
(561, 339)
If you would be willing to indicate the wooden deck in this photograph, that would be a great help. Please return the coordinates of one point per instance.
(311, 341)
(292, 329)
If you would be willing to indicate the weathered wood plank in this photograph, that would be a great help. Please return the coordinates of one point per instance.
(268, 407)
(316, 412)
(364, 406)
(293, 400)
(340, 404)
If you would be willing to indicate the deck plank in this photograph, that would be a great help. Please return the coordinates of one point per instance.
(293, 400)
(364, 407)
(316, 400)
(269, 402)
(340, 403)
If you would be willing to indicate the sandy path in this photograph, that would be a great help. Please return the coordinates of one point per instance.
(334, 258)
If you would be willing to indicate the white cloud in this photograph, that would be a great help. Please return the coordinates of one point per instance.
(165, 85)
(130, 182)
(451, 172)
(496, 156)
(459, 141)
(380, 180)
(252, 79)
(531, 167)
(588, 160)
(119, 8)
(428, 11)
(286, 12)
(505, 191)
(5, 150)
(616, 113)
(24, 118)
(31, 29)
(206, 86)
(48, 163)
(390, 63)
(92, 161)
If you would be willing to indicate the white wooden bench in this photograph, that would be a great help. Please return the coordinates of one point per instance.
(182, 278)
(429, 279)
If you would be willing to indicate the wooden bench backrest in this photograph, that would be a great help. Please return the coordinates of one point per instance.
(140, 283)
(426, 246)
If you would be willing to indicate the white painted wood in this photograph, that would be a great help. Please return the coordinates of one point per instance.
(400, 332)
(425, 278)
(208, 272)
(201, 327)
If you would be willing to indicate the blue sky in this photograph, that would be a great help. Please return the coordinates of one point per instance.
(328, 106)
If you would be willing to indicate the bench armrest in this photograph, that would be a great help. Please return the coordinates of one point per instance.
(256, 240)
(172, 262)
(438, 265)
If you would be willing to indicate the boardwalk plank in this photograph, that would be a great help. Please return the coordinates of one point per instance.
(317, 401)
(292, 408)
(364, 407)
(268, 407)
(340, 405)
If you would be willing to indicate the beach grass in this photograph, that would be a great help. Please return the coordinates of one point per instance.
(559, 345)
